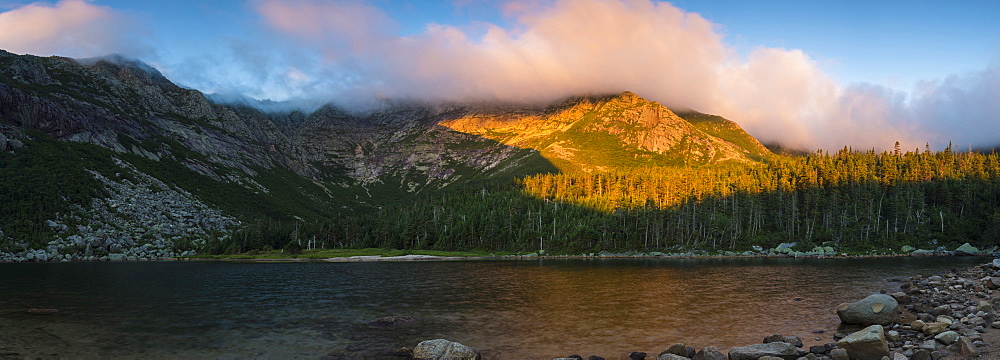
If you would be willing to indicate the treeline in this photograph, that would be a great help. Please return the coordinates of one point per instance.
(861, 200)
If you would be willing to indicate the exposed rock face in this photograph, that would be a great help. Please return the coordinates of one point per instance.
(869, 343)
(875, 309)
(574, 133)
(441, 349)
(753, 352)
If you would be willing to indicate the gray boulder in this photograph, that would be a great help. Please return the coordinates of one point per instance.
(875, 309)
(967, 348)
(784, 248)
(934, 328)
(669, 356)
(638, 355)
(441, 349)
(676, 349)
(710, 353)
(753, 352)
(15, 143)
(794, 340)
(947, 337)
(967, 250)
(3, 142)
(921, 354)
(868, 343)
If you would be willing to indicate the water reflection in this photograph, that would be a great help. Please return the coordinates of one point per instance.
(507, 309)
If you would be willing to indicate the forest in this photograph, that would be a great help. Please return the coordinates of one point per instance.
(855, 200)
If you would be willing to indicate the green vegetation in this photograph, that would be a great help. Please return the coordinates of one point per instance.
(726, 130)
(43, 181)
(49, 179)
(856, 200)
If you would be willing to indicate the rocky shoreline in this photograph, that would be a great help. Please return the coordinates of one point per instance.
(944, 316)
(782, 251)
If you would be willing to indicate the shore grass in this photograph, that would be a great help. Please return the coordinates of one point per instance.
(343, 253)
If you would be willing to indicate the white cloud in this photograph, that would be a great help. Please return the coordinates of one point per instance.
(74, 28)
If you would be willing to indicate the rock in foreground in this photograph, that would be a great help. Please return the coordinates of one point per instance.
(877, 309)
(753, 352)
(441, 349)
(869, 343)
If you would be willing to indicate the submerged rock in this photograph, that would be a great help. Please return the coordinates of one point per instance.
(441, 349)
(875, 309)
(43, 311)
(391, 320)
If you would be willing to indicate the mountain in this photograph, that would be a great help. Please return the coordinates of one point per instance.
(107, 156)
(599, 134)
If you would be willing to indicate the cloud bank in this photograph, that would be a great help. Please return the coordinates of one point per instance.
(74, 28)
(572, 47)
(350, 52)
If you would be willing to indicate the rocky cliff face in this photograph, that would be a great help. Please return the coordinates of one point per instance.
(214, 165)
(594, 134)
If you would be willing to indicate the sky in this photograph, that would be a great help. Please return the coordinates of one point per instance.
(806, 74)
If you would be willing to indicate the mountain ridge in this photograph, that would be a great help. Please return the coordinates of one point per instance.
(250, 164)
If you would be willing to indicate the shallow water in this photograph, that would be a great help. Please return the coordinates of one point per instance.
(507, 309)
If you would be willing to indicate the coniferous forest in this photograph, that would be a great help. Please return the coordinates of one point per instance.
(860, 200)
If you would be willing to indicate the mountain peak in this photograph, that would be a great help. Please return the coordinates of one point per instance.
(628, 95)
(128, 69)
(601, 133)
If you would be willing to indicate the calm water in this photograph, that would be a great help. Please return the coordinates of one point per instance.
(507, 309)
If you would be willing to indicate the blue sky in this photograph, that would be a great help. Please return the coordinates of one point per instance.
(863, 73)
(894, 43)
(891, 42)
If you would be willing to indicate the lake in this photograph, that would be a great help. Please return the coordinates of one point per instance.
(507, 309)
